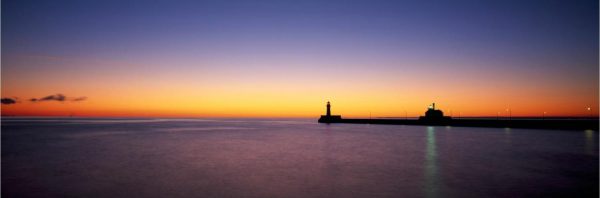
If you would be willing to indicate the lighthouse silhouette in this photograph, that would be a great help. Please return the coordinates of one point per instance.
(328, 118)
(328, 109)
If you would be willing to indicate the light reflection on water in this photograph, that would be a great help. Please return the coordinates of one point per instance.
(507, 134)
(290, 158)
(589, 142)
(431, 169)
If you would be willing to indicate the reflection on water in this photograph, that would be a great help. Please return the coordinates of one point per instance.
(507, 134)
(589, 142)
(329, 166)
(431, 169)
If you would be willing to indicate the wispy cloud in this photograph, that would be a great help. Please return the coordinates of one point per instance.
(8, 101)
(79, 99)
(58, 97)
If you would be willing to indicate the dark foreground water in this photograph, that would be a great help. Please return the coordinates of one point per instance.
(290, 158)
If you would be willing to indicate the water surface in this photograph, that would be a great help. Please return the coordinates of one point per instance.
(290, 158)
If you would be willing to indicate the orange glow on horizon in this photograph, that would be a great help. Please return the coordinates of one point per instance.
(145, 91)
(269, 105)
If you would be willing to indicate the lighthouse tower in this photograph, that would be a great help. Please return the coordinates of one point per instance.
(328, 109)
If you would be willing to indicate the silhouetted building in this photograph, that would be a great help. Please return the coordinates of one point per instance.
(327, 118)
(433, 114)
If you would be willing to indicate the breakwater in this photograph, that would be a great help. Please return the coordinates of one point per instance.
(568, 124)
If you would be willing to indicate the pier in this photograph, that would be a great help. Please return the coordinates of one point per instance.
(435, 117)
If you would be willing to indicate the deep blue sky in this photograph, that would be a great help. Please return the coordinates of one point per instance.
(128, 29)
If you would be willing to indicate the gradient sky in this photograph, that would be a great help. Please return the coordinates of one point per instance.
(287, 58)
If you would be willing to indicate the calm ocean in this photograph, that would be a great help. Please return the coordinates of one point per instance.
(53, 157)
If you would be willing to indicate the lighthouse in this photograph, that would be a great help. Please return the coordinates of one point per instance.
(328, 118)
(328, 109)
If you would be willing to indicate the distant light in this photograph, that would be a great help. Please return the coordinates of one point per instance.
(589, 108)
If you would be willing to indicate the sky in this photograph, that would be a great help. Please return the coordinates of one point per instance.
(288, 58)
